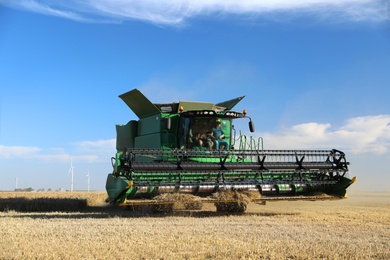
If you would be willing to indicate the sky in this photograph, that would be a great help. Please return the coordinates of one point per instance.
(315, 75)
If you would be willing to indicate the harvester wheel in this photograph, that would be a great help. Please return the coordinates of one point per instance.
(231, 207)
(193, 205)
(238, 206)
(134, 208)
(177, 201)
(163, 208)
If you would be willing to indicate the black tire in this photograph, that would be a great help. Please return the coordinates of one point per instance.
(193, 205)
(163, 208)
(231, 207)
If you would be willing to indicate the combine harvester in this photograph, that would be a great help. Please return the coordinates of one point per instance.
(170, 155)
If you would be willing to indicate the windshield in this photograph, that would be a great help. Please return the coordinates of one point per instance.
(204, 133)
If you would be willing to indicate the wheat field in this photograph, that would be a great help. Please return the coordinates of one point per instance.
(81, 226)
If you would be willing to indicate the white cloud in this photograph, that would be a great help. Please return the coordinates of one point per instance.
(368, 134)
(17, 151)
(87, 151)
(102, 150)
(97, 145)
(176, 12)
(44, 8)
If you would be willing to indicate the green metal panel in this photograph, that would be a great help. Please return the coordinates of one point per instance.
(168, 140)
(148, 141)
(139, 104)
(149, 125)
(229, 104)
(115, 186)
(125, 135)
(189, 105)
(169, 136)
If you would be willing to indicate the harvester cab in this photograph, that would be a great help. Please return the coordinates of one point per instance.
(192, 148)
(183, 125)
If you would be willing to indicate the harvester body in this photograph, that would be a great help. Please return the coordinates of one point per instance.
(176, 149)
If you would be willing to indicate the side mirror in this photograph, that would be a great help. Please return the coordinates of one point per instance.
(251, 126)
(167, 123)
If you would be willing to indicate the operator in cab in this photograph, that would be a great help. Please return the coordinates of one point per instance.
(219, 136)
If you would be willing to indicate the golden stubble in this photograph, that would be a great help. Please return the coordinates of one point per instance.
(355, 228)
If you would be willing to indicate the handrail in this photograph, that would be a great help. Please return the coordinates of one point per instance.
(260, 140)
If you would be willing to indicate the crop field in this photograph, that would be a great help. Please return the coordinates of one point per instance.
(55, 225)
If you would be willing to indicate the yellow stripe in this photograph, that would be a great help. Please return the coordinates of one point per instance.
(129, 185)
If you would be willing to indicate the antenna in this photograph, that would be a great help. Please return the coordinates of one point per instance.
(71, 171)
(88, 179)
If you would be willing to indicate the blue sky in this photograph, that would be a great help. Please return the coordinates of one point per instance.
(316, 75)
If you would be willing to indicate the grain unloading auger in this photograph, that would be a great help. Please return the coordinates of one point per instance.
(171, 151)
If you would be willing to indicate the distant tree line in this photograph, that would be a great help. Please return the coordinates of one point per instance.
(29, 189)
(26, 189)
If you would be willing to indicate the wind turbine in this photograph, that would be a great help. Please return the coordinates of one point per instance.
(88, 178)
(71, 171)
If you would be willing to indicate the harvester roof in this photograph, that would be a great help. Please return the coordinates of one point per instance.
(143, 107)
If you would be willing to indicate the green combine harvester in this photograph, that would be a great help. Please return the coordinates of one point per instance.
(191, 150)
